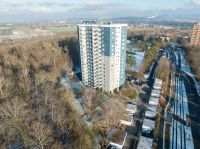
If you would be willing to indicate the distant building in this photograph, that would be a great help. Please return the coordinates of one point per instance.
(195, 39)
(103, 54)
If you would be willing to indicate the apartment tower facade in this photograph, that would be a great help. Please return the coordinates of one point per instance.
(103, 54)
(195, 39)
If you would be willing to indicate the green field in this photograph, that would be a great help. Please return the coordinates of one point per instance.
(61, 29)
(5, 32)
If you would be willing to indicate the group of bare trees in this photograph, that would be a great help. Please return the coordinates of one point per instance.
(114, 111)
(90, 99)
(104, 113)
(192, 55)
(162, 72)
(35, 111)
(71, 46)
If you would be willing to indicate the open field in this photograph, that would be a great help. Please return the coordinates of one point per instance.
(15, 33)
(61, 29)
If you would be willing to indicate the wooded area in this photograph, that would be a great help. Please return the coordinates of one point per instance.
(193, 56)
(35, 110)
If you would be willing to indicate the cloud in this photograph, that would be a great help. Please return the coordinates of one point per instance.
(96, 2)
(8, 1)
(52, 4)
(5, 10)
(51, 9)
(15, 3)
(46, 10)
(196, 2)
(44, 6)
(100, 7)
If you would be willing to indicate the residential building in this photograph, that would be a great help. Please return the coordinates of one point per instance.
(195, 39)
(103, 54)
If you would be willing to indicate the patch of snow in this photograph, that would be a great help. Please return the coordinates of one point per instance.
(155, 93)
(138, 59)
(131, 108)
(154, 101)
(148, 124)
(189, 139)
(150, 114)
(145, 143)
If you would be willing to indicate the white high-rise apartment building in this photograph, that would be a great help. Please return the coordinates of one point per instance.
(103, 54)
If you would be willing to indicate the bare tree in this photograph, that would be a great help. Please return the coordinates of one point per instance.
(90, 99)
(163, 69)
(3, 88)
(113, 113)
(34, 104)
(14, 116)
(42, 135)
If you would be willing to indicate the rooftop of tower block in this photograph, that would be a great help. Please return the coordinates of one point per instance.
(100, 23)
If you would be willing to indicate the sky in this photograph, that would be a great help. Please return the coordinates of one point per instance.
(33, 10)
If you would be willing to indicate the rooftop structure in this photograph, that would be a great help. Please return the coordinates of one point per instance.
(116, 138)
(158, 84)
(155, 93)
(131, 108)
(148, 124)
(127, 120)
(152, 108)
(150, 114)
(128, 116)
(154, 101)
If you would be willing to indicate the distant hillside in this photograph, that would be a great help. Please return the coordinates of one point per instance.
(130, 20)
(159, 20)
